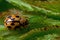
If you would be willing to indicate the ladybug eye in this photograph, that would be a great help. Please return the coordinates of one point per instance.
(17, 16)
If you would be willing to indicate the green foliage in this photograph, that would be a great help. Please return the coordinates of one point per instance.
(5, 5)
(21, 5)
(49, 5)
(49, 37)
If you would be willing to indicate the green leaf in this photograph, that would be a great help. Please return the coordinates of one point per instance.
(21, 5)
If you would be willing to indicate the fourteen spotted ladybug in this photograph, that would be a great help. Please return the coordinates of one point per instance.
(14, 21)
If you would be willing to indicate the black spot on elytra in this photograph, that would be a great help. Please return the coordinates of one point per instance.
(16, 21)
(9, 27)
(17, 27)
(6, 23)
(12, 24)
(17, 16)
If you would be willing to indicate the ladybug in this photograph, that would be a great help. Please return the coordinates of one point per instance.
(13, 22)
